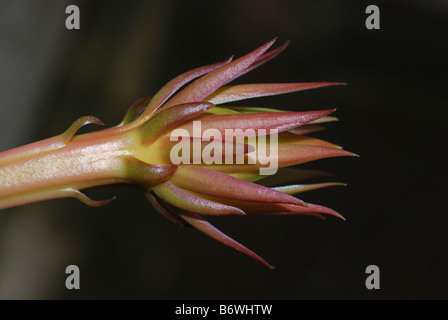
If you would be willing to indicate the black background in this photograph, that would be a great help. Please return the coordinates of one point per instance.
(392, 114)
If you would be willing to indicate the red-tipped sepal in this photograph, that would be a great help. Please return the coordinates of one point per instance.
(202, 225)
(184, 200)
(248, 91)
(212, 81)
(218, 184)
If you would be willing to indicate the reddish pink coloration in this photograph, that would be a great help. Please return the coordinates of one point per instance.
(291, 154)
(187, 201)
(137, 151)
(265, 57)
(170, 118)
(288, 155)
(169, 214)
(280, 121)
(273, 208)
(43, 195)
(310, 210)
(171, 87)
(81, 163)
(199, 223)
(249, 91)
(46, 145)
(217, 184)
(212, 81)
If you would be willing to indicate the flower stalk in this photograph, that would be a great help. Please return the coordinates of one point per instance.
(62, 166)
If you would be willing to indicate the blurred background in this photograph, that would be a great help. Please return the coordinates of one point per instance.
(392, 114)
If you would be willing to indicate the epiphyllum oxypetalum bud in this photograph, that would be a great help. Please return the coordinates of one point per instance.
(137, 151)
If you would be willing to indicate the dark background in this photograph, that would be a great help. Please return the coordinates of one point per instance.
(392, 114)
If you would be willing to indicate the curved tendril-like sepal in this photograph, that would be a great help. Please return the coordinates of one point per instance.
(135, 111)
(78, 124)
(49, 144)
(73, 193)
(42, 195)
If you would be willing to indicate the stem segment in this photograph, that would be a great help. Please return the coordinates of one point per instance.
(51, 168)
